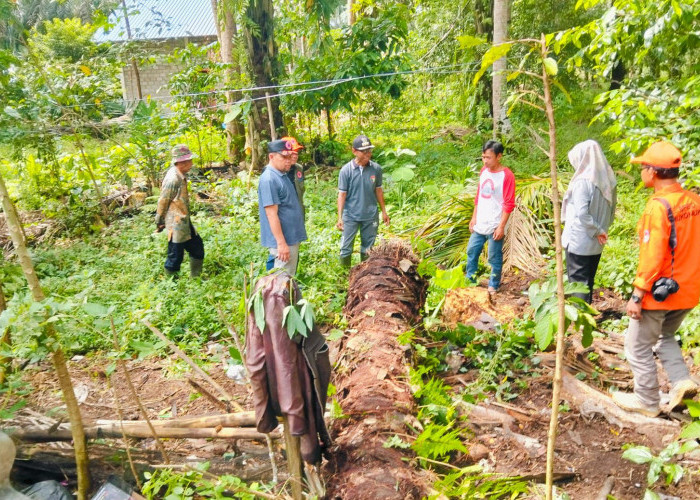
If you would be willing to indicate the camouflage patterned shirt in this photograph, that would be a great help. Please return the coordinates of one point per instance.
(174, 206)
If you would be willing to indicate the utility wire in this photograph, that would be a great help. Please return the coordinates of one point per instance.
(436, 70)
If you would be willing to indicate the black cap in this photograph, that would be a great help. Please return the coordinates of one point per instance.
(279, 146)
(362, 143)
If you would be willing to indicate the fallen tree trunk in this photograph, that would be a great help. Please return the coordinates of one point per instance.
(589, 401)
(240, 419)
(384, 299)
(39, 435)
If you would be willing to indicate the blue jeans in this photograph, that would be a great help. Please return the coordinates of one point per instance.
(474, 248)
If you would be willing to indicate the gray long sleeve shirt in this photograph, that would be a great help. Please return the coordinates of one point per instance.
(588, 214)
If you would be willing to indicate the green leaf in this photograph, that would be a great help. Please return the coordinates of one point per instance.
(468, 41)
(587, 337)
(693, 407)
(650, 495)
(638, 455)
(492, 55)
(235, 354)
(403, 174)
(236, 110)
(550, 66)
(674, 473)
(335, 334)
(95, 309)
(544, 333)
(692, 431)
(450, 278)
(259, 311)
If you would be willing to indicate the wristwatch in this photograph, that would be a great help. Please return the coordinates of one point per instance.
(636, 298)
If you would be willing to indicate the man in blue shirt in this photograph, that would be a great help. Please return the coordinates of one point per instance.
(281, 217)
(359, 191)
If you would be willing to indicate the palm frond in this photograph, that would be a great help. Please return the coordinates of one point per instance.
(529, 228)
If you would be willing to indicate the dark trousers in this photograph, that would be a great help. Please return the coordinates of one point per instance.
(582, 269)
(176, 251)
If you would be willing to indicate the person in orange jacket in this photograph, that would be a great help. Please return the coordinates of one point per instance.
(666, 286)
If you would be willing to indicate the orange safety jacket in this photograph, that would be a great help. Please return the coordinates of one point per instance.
(654, 230)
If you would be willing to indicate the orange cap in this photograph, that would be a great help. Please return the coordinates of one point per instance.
(661, 154)
(296, 147)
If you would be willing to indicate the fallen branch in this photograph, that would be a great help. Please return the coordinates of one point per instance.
(41, 435)
(607, 488)
(121, 364)
(241, 419)
(193, 365)
(224, 405)
(589, 401)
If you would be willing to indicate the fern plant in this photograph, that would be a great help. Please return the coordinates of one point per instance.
(437, 442)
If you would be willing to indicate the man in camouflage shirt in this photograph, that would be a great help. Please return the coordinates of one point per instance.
(173, 214)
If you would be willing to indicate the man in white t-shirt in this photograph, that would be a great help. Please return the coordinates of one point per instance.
(495, 200)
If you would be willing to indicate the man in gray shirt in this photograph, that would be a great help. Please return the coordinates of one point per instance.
(281, 218)
(359, 191)
(587, 211)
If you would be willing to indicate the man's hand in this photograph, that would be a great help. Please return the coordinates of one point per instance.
(385, 216)
(339, 225)
(471, 225)
(282, 252)
(499, 233)
(634, 310)
(603, 238)
(160, 227)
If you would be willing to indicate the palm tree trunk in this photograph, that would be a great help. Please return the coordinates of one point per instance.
(500, 29)
(59, 360)
(371, 386)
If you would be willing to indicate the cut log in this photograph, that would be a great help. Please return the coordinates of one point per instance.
(384, 299)
(39, 435)
(589, 402)
(240, 419)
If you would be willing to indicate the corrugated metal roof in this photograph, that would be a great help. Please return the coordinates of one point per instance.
(160, 19)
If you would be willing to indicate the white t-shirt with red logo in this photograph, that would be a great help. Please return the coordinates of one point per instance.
(495, 195)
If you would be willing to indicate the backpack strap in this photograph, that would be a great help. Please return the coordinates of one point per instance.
(672, 238)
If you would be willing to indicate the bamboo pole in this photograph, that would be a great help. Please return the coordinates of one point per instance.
(132, 390)
(43, 435)
(127, 448)
(561, 325)
(241, 419)
(59, 360)
(4, 339)
(294, 464)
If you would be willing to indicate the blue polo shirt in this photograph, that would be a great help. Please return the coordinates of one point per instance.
(275, 188)
(360, 184)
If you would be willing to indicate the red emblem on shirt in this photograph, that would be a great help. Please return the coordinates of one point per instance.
(299, 174)
(371, 177)
(487, 189)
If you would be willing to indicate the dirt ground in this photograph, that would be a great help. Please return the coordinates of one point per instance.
(590, 448)
(163, 389)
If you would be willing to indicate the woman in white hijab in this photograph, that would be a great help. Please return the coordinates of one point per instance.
(587, 211)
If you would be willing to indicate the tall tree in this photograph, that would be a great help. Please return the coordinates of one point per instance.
(264, 69)
(500, 32)
(227, 31)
